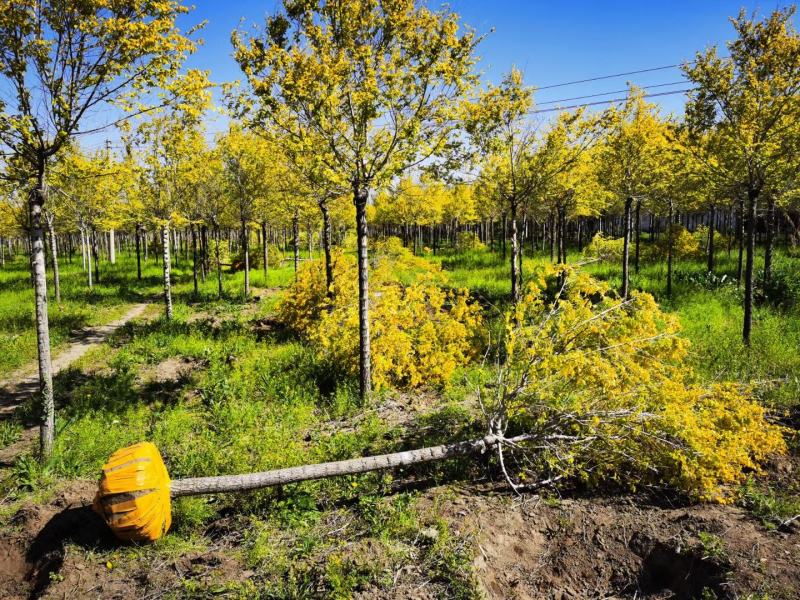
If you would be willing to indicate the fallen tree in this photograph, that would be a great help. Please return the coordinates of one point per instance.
(588, 386)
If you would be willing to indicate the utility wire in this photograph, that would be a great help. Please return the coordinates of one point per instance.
(611, 101)
(615, 75)
(643, 87)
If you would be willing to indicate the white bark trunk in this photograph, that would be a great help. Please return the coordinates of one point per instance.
(167, 281)
(47, 428)
(112, 248)
(250, 481)
(89, 259)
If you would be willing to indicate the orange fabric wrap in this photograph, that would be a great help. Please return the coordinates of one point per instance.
(133, 494)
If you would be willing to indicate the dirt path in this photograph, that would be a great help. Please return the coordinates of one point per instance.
(24, 382)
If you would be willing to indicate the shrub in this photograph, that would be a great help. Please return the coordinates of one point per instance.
(469, 240)
(783, 287)
(607, 249)
(701, 235)
(602, 386)
(685, 246)
(420, 331)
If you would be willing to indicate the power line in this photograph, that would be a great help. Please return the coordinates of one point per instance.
(615, 75)
(643, 87)
(612, 100)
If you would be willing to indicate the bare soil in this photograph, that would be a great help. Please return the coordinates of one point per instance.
(526, 547)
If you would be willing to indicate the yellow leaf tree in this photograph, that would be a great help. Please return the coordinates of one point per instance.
(62, 62)
(369, 87)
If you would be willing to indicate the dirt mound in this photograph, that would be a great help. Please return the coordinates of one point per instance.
(615, 548)
(169, 370)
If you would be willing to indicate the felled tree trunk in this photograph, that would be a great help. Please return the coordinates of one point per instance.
(250, 481)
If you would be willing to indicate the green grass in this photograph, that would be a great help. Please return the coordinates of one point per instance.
(117, 290)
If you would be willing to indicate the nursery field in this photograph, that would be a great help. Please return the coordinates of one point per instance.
(330, 299)
(225, 387)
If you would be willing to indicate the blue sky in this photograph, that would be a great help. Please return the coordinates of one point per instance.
(551, 42)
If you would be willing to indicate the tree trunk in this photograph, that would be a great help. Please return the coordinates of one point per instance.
(326, 247)
(770, 226)
(47, 428)
(194, 261)
(740, 238)
(747, 326)
(670, 240)
(638, 235)
(112, 247)
(167, 265)
(219, 266)
(515, 283)
(626, 246)
(203, 252)
(246, 250)
(83, 246)
(54, 258)
(95, 255)
(296, 241)
(265, 250)
(250, 481)
(504, 235)
(360, 197)
(710, 246)
(138, 253)
(89, 260)
(562, 234)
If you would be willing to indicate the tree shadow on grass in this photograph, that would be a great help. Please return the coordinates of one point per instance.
(78, 393)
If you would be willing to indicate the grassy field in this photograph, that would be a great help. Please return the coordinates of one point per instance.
(223, 389)
(108, 299)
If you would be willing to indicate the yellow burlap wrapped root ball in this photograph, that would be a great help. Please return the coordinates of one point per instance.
(133, 495)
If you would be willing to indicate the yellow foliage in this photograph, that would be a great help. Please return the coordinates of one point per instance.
(607, 249)
(684, 244)
(421, 332)
(469, 240)
(611, 374)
